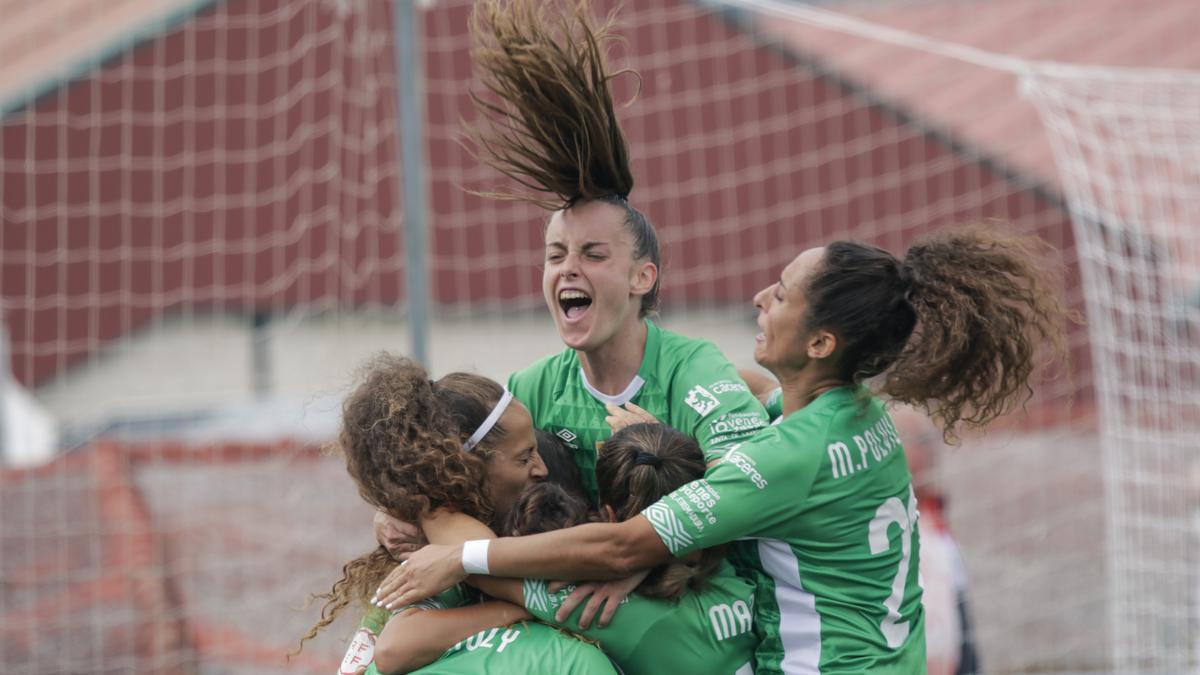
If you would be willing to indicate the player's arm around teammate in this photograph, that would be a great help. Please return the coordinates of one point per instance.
(826, 495)
(697, 604)
(413, 446)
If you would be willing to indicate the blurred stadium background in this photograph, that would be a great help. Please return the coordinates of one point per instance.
(202, 232)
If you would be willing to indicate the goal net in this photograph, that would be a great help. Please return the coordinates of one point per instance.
(1127, 144)
(201, 237)
(193, 196)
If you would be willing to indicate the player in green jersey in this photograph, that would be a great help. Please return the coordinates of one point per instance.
(822, 502)
(697, 606)
(687, 384)
(700, 608)
(414, 446)
(556, 132)
(456, 633)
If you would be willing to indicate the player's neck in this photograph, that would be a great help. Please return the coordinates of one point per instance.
(802, 387)
(613, 365)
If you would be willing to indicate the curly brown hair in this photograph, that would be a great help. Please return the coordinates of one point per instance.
(360, 578)
(954, 329)
(402, 436)
(637, 466)
(548, 122)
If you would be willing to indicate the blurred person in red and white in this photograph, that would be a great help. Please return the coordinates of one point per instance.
(949, 642)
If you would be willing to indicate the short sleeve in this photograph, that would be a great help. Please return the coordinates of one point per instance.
(713, 405)
(635, 615)
(755, 491)
(455, 596)
(637, 621)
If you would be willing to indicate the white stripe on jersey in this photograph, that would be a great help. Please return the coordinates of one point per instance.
(799, 623)
(635, 385)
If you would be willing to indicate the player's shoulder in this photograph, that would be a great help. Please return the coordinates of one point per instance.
(459, 595)
(687, 363)
(678, 350)
(785, 447)
(834, 408)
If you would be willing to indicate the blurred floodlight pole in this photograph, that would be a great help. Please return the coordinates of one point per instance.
(410, 100)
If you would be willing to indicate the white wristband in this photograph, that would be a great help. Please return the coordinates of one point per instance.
(475, 556)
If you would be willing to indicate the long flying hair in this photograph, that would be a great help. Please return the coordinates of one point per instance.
(953, 329)
(550, 124)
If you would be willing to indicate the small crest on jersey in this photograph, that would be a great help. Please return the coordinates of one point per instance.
(360, 653)
(701, 400)
(567, 435)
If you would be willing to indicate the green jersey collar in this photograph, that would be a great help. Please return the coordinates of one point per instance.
(830, 399)
(644, 373)
(635, 385)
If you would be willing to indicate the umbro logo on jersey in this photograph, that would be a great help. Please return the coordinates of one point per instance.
(701, 400)
(567, 435)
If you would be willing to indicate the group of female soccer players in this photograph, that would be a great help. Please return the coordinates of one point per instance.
(729, 544)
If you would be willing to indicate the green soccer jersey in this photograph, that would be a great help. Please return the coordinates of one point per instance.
(527, 648)
(823, 502)
(519, 649)
(362, 647)
(707, 631)
(686, 384)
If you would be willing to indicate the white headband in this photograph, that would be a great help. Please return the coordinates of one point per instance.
(490, 422)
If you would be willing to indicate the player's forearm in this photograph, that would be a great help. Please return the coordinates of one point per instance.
(593, 551)
(418, 637)
(445, 527)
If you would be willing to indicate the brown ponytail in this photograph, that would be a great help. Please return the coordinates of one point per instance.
(550, 124)
(954, 329)
(636, 467)
(554, 129)
(984, 303)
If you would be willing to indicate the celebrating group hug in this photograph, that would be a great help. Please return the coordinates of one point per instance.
(631, 504)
